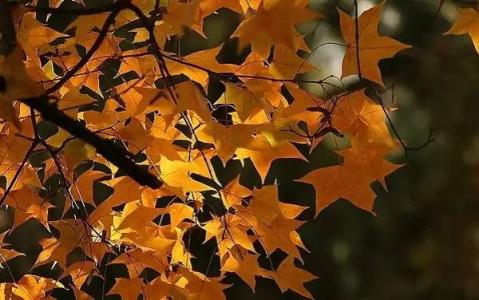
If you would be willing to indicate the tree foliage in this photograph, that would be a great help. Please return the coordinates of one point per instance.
(127, 152)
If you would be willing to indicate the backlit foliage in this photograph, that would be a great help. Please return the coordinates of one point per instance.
(112, 68)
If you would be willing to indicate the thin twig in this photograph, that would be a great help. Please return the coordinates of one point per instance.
(356, 33)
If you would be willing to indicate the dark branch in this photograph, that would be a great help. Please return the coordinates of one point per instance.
(113, 153)
(356, 33)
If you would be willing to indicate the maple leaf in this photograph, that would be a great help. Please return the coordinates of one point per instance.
(12, 150)
(73, 100)
(80, 272)
(263, 159)
(90, 73)
(72, 235)
(77, 151)
(467, 23)
(83, 189)
(129, 289)
(179, 212)
(6, 254)
(136, 136)
(300, 110)
(288, 276)
(15, 83)
(188, 97)
(271, 220)
(137, 260)
(234, 193)
(32, 35)
(285, 64)
(227, 139)
(351, 180)
(244, 100)
(81, 295)
(186, 120)
(161, 289)
(209, 6)
(83, 25)
(280, 14)
(122, 186)
(201, 288)
(372, 46)
(33, 287)
(178, 16)
(177, 174)
(198, 65)
(246, 266)
(28, 205)
(364, 120)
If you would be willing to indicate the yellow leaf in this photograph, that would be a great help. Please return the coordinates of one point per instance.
(372, 46)
(280, 14)
(31, 287)
(290, 277)
(467, 23)
(202, 60)
(58, 138)
(364, 120)
(263, 159)
(246, 267)
(15, 83)
(128, 289)
(33, 36)
(352, 179)
(76, 151)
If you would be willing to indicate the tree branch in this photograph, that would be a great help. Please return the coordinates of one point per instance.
(113, 153)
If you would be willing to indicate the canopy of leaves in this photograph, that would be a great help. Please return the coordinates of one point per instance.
(145, 171)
